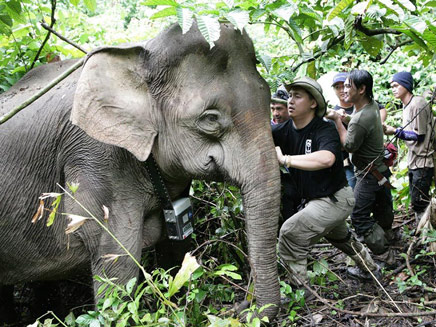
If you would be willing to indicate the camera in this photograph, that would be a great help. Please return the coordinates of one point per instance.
(179, 220)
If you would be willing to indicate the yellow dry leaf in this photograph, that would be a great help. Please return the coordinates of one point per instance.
(39, 213)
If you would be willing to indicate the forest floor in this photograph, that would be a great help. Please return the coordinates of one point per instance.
(405, 295)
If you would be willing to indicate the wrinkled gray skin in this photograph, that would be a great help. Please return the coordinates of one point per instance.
(203, 114)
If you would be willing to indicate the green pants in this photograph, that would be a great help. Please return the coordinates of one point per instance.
(320, 218)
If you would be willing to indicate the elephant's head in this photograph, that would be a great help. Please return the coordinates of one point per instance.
(204, 113)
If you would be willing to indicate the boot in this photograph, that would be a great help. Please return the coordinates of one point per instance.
(392, 236)
(298, 268)
(375, 240)
(363, 262)
(388, 259)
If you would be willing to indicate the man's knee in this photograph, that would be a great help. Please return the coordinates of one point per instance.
(293, 240)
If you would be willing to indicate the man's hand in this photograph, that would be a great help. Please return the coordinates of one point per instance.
(332, 114)
(389, 130)
(283, 159)
(338, 115)
(280, 155)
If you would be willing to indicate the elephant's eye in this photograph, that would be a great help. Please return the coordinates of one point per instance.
(209, 122)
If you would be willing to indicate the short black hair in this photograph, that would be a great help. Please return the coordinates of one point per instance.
(362, 77)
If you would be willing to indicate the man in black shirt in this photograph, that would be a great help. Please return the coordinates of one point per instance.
(310, 149)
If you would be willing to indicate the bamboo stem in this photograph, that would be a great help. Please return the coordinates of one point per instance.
(14, 111)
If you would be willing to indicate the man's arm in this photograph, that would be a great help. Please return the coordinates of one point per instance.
(310, 162)
(403, 134)
(338, 119)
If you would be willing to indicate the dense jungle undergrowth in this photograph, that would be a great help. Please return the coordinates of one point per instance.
(291, 38)
(216, 278)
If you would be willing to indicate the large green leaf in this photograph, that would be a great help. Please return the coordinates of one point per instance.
(376, 13)
(5, 19)
(90, 4)
(160, 3)
(430, 38)
(265, 60)
(74, 2)
(416, 24)
(13, 10)
(311, 69)
(406, 4)
(339, 8)
(349, 29)
(267, 24)
(189, 265)
(297, 30)
(407, 31)
(209, 28)
(372, 45)
(309, 12)
(4, 30)
(336, 25)
(238, 18)
(169, 11)
(286, 12)
(14, 5)
(431, 26)
(396, 9)
(184, 18)
(256, 14)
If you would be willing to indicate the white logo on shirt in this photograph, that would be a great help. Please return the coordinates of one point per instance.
(308, 146)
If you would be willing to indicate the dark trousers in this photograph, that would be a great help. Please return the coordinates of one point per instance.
(420, 180)
(371, 198)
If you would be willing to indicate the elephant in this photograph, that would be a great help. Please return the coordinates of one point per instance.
(202, 112)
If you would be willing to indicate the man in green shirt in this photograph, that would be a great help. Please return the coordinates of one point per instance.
(372, 215)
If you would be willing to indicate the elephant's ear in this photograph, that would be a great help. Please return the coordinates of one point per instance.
(112, 103)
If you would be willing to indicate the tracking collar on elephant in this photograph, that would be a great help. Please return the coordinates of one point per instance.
(178, 214)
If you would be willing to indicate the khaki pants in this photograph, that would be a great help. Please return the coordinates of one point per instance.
(321, 217)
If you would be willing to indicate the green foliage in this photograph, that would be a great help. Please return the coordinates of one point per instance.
(339, 8)
(88, 23)
(412, 281)
(311, 31)
(134, 304)
(291, 38)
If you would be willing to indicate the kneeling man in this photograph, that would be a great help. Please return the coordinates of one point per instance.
(310, 149)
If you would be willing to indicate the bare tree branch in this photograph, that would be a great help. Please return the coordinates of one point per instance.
(358, 26)
(395, 47)
(63, 37)
(319, 53)
(52, 22)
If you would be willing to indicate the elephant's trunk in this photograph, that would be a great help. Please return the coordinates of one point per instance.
(261, 196)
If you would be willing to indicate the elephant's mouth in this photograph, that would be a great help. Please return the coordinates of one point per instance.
(214, 171)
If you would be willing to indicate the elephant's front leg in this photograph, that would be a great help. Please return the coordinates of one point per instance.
(119, 250)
